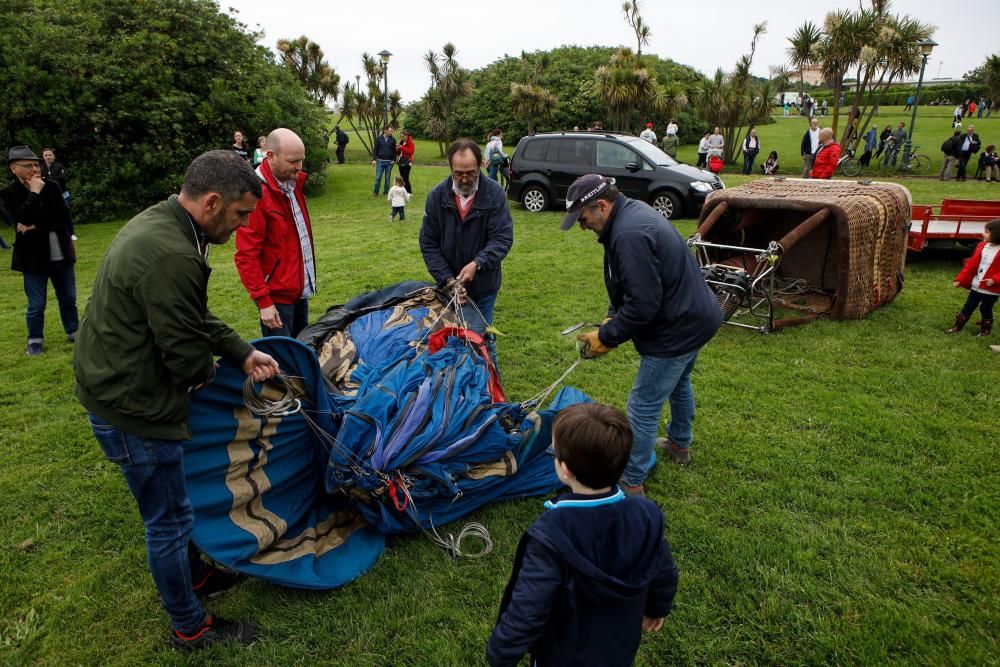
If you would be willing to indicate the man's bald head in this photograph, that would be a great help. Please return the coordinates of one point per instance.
(825, 135)
(285, 153)
(283, 139)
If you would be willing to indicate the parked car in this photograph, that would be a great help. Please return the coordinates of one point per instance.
(544, 165)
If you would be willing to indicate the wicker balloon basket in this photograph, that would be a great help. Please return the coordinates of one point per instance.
(815, 248)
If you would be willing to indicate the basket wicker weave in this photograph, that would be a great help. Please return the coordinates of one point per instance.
(867, 238)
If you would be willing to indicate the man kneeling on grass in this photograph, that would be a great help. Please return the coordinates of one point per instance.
(593, 571)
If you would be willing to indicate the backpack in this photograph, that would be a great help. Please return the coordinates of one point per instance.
(495, 156)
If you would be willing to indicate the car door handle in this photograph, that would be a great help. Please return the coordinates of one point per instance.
(547, 172)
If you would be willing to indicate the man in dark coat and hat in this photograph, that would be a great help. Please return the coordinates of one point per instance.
(43, 249)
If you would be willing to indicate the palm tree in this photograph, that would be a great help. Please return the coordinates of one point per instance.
(639, 27)
(450, 82)
(843, 38)
(622, 85)
(531, 100)
(364, 108)
(738, 99)
(800, 53)
(306, 60)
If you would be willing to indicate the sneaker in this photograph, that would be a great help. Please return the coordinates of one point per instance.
(216, 582)
(638, 490)
(216, 630)
(34, 349)
(71, 337)
(680, 455)
(73, 237)
(995, 348)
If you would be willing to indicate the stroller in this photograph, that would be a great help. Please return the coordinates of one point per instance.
(715, 163)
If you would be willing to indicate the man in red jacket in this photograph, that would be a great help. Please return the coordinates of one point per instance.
(827, 155)
(274, 252)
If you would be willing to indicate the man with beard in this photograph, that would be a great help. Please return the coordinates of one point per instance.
(147, 338)
(467, 229)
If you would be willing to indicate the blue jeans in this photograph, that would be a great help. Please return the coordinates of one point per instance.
(154, 472)
(36, 289)
(659, 379)
(383, 167)
(294, 318)
(486, 305)
(492, 170)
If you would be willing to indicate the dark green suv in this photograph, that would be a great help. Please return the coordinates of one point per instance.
(544, 166)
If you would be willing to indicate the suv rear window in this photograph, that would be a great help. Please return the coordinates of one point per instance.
(535, 150)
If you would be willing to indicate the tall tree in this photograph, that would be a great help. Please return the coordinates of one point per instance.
(364, 106)
(623, 85)
(840, 48)
(988, 75)
(801, 52)
(639, 27)
(130, 92)
(735, 100)
(305, 59)
(531, 101)
(891, 52)
(450, 83)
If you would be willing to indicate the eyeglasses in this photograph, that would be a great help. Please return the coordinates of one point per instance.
(27, 165)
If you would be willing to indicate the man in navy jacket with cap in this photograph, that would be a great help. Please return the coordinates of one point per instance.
(660, 302)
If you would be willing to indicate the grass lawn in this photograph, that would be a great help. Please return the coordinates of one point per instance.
(842, 507)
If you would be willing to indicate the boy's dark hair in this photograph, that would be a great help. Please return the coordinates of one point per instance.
(223, 172)
(993, 229)
(460, 145)
(594, 441)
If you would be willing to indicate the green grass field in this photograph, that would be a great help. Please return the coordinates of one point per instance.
(842, 507)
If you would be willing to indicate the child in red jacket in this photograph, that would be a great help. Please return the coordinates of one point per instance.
(981, 276)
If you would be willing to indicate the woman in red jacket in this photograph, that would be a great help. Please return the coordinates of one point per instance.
(981, 276)
(827, 155)
(404, 158)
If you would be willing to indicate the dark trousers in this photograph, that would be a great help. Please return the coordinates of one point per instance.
(36, 289)
(984, 301)
(404, 171)
(400, 211)
(748, 159)
(340, 153)
(154, 472)
(294, 318)
(702, 157)
(963, 162)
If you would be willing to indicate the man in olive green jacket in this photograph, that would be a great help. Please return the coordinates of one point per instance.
(146, 339)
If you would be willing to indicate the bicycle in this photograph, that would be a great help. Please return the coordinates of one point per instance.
(914, 163)
(848, 165)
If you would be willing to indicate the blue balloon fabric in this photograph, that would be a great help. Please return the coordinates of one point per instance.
(386, 438)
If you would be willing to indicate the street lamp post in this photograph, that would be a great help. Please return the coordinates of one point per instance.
(926, 46)
(384, 56)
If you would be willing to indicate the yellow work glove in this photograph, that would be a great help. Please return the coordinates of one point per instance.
(591, 345)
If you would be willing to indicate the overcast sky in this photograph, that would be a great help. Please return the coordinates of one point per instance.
(704, 35)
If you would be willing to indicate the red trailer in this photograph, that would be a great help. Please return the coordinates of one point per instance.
(951, 221)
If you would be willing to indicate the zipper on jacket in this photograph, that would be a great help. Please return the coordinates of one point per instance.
(274, 268)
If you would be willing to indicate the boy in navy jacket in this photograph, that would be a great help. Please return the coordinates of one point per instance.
(595, 570)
